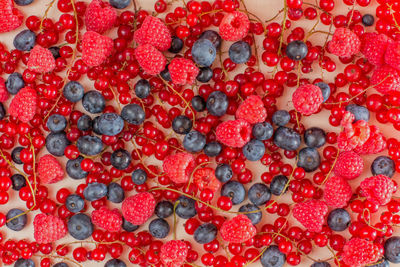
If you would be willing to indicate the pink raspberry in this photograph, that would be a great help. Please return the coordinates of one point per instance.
(234, 133)
(373, 47)
(178, 167)
(311, 214)
(252, 110)
(375, 143)
(386, 79)
(237, 230)
(153, 31)
(337, 192)
(139, 208)
(150, 59)
(100, 16)
(349, 165)
(183, 71)
(95, 48)
(344, 43)
(307, 99)
(110, 220)
(392, 55)
(234, 26)
(378, 189)
(48, 228)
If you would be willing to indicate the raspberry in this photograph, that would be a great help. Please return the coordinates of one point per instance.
(173, 253)
(237, 230)
(392, 55)
(252, 110)
(375, 143)
(110, 220)
(3, 90)
(48, 228)
(311, 214)
(150, 59)
(23, 105)
(373, 47)
(353, 135)
(153, 31)
(41, 60)
(178, 167)
(360, 252)
(337, 192)
(307, 99)
(349, 165)
(386, 79)
(344, 43)
(100, 16)
(49, 170)
(139, 208)
(10, 17)
(183, 71)
(235, 133)
(204, 178)
(378, 189)
(234, 26)
(95, 48)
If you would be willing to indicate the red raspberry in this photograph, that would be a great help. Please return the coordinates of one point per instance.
(252, 110)
(337, 192)
(392, 55)
(204, 178)
(153, 31)
(110, 220)
(307, 99)
(23, 105)
(234, 26)
(353, 135)
(360, 252)
(48, 228)
(349, 165)
(373, 47)
(183, 71)
(378, 189)
(100, 16)
(41, 60)
(178, 167)
(386, 79)
(311, 214)
(344, 43)
(237, 230)
(150, 59)
(3, 90)
(376, 142)
(49, 170)
(10, 17)
(173, 253)
(139, 208)
(95, 48)
(234, 133)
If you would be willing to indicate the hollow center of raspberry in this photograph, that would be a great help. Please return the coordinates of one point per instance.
(244, 132)
(235, 23)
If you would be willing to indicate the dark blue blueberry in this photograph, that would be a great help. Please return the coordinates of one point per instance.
(185, 208)
(296, 50)
(25, 40)
(56, 123)
(205, 233)
(235, 191)
(14, 83)
(308, 159)
(240, 52)
(314, 137)
(217, 103)
(89, 145)
(383, 165)
(74, 92)
(223, 172)
(281, 117)
(95, 125)
(278, 185)
(182, 124)
(24, 263)
(93, 102)
(204, 52)
(262, 131)
(159, 228)
(213, 36)
(61, 264)
(359, 112)
(115, 262)
(380, 263)
(18, 223)
(164, 209)
(368, 20)
(325, 89)
(194, 141)
(55, 51)
(74, 169)
(165, 74)
(85, 123)
(252, 212)
(142, 88)
(74, 203)
(339, 220)
(205, 74)
(133, 114)
(259, 194)
(129, 227)
(17, 181)
(16, 154)
(212, 149)
(320, 264)
(176, 45)
(2, 111)
(115, 193)
(120, 4)
(139, 176)
(80, 226)
(287, 138)
(110, 124)
(254, 150)
(273, 257)
(56, 143)
(23, 2)
(95, 191)
(198, 103)
(392, 249)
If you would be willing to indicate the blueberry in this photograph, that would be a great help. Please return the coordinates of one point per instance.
(392, 249)
(23, 2)
(380, 263)
(73, 91)
(212, 149)
(254, 150)
(339, 220)
(320, 264)
(165, 74)
(61, 264)
(95, 191)
(240, 52)
(95, 125)
(56, 143)
(223, 172)
(368, 20)
(164, 209)
(55, 51)
(93, 102)
(176, 45)
(308, 159)
(278, 185)
(235, 191)
(18, 181)
(185, 209)
(205, 233)
(213, 36)
(159, 228)
(80, 226)
(115, 193)
(205, 74)
(281, 117)
(203, 52)
(74, 203)
(287, 138)
(89, 145)
(359, 112)
(142, 88)
(85, 123)
(56, 123)
(198, 103)
(19, 222)
(129, 227)
(272, 257)
(24, 263)
(296, 50)
(254, 213)
(262, 131)
(15, 155)
(120, 4)
(2, 111)
(25, 40)
(314, 137)
(110, 124)
(194, 141)
(14, 83)
(217, 103)
(115, 262)
(139, 176)
(259, 194)
(383, 165)
(182, 124)
(133, 114)
(325, 89)
(74, 169)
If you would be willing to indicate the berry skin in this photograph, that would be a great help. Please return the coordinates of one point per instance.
(254, 150)
(234, 133)
(3, 90)
(100, 16)
(203, 52)
(80, 226)
(217, 103)
(383, 165)
(139, 208)
(49, 170)
(344, 43)
(354, 134)
(374, 46)
(235, 191)
(95, 48)
(10, 17)
(349, 165)
(178, 167)
(338, 220)
(311, 214)
(25, 40)
(237, 230)
(23, 105)
(110, 220)
(183, 71)
(314, 137)
(205, 233)
(234, 26)
(273, 257)
(154, 32)
(240, 52)
(392, 55)
(296, 50)
(150, 59)
(378, 189)
(287, 138)
(337, 192)
(41, 60)
(48, 228)
(252, 110)
(308, 159)
(173, 253)
(204, 178)
(386, 79)
(392, 246)
(307, 99)
(375, 143)
(18, 223)
(360, 252)
(359, 112)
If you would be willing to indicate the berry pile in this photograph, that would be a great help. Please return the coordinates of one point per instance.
(165, 119)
